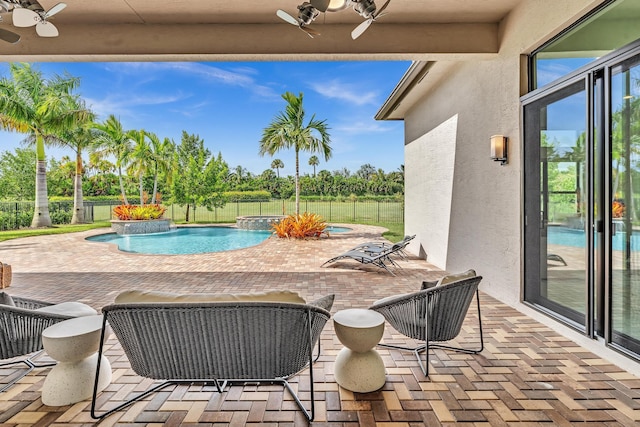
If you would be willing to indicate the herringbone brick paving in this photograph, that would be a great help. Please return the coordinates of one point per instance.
(527, 375)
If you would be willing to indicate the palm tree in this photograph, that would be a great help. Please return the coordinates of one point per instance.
(161, 160)
(313, 161)
(288, 130)
(78, 139)
(277, 164)
(42, 108)
(238, 175)
(113, 140)
(139, 158)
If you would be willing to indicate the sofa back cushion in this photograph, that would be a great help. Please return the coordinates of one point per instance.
(450, 278)
(138, 296)
(71, 308)
(5, 299)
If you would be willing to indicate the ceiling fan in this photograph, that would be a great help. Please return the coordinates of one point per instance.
(29, 13)
(6, 35)
(309, 10)
(367, 9)
(306, 14)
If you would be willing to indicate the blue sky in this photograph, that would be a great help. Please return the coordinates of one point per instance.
(229, 104)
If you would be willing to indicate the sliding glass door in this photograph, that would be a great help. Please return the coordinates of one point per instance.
(582, 201)
(625, 204)
(557, 202)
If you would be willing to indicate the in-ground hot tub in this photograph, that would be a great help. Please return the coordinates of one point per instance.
(257, 222)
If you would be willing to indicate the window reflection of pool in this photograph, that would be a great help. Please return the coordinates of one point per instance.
(573, 237)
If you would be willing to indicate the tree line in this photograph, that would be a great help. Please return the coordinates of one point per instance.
(122, 162)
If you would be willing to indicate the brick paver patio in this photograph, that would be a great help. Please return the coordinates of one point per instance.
(527, 375)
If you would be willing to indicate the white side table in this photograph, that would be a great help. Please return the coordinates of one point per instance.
(74, 344)
(358, 366)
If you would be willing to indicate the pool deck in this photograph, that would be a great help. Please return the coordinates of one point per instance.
(527, 375)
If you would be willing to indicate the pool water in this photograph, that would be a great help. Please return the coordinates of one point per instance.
(186, 240)
(332, 229)
(191, 240)
(577, 238)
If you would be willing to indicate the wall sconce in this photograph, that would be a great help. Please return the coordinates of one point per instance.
(499, 149)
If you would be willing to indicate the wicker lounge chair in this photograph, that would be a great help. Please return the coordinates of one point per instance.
(215, 343)
(433, 315)
(23, 321)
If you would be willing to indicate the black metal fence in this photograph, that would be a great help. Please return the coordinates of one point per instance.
(14, 215)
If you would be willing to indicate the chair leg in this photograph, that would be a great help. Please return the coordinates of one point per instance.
(315, 359)
(424, 365)
(31, 365)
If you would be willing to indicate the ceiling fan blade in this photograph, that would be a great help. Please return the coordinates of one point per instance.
(310, 31)
(357, 32)
(46, 29)
(321, 5)
(384, 6)
(286, 17)
(55, 9)
(9, 36)
(24, 17)
(5, 6)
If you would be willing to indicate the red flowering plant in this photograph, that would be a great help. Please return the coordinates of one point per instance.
(617, 209)
(300, 226)
(135, 212)
(140, 212)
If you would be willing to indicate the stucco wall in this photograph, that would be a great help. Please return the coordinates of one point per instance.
(484, 198)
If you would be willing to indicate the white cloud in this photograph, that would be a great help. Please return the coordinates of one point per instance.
(335, 89)
(361, 127)
(240, 77)
(121, 105)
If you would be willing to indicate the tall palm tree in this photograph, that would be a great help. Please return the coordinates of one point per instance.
(277, 164)
(113, 140)
(41, 108)
(289, 130)
(313, 161)
(78, 139)
(139, 158)
(161, 160)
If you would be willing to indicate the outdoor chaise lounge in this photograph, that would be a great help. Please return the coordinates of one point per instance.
(216, 342)
(376, 247)
(379, 257)
(434, 314)
(22, 321)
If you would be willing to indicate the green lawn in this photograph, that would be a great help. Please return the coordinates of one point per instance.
(57, 229)
(360, 212)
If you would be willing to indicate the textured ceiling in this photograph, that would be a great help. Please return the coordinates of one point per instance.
(250, 29)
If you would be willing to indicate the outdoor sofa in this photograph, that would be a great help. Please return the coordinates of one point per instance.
(215, 339)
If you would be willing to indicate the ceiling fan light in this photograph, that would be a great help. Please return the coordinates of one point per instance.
(336, 5)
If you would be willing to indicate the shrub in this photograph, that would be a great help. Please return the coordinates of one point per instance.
(301, 226)
(135, 212)
(252, 196)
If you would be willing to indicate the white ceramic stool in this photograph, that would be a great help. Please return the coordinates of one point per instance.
(358, 366)
(74, 344)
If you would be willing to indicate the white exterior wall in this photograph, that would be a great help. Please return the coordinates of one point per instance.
(465, 208)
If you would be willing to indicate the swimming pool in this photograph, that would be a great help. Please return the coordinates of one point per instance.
(573, 237)
(333, 229)
(191, 240)
(185, 240)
